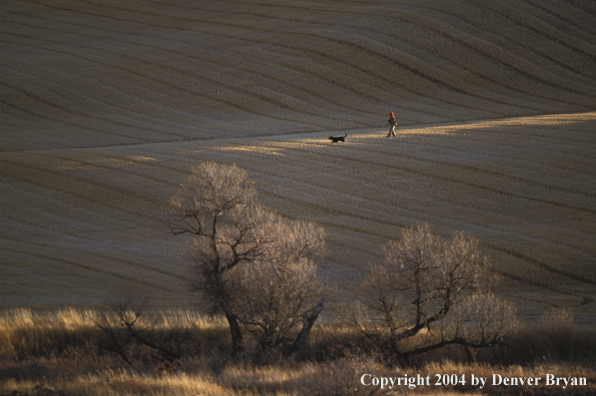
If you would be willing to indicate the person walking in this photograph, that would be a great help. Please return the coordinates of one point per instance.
(392, 124)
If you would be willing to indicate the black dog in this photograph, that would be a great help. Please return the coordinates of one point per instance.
(335, 139)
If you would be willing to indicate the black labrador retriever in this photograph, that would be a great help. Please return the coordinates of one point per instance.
(335, 139)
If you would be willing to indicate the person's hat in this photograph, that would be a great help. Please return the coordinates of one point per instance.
(390, 112)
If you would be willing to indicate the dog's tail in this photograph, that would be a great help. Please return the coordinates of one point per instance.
(346, 134)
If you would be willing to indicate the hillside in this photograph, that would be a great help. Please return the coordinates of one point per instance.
(104, 73)
(106, 105)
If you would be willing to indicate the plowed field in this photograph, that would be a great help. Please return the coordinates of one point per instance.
(105, 106)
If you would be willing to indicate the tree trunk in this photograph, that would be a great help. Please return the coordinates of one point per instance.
(236, 333)
(306, 327)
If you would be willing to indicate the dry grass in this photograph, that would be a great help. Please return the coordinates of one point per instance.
(63, 352)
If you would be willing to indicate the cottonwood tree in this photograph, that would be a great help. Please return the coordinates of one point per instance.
(428, 292)
(247, 262)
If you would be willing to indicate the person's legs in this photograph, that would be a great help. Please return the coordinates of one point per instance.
(391, 131)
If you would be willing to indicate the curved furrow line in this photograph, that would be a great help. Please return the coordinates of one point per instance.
(443, 163)
(112, 89)
(489, 172)
(336, 59)
(118, 169)
(363, 182)
(116, 260)
(484, 98)
(519, 43)
(364, 71)
(227, 24)
(328, 223)
(113, 260)
(235, 105)
(334, 83)
(337, 22)
(427, 75)
(310, 8)
(395, 59)
(15, 213)
(132, 114)
(361, 93)
(425, 70)
(63, 122)
(472, 71)
(394, 83)
(555, 141)
(488, 51)
(41, 99)
(211, 81)
(100, 7)
(73, 189)
(504, 100)
(475, 185)
(553, 148)
(572, 142)
(584, 5)
(512, 14)
(557, 13)
(231, 104)
(533, 283)
(477, 72)
(378, 150)
(34, 289)
(473, 44)
(513, 88)
(351, 210)
(11, 213)
(546, 165)
(560, 16)
(355, 211)
(61, 261)
(550, 33)
(544, 266)
(325, 101)
(144, 76)
(414, 108)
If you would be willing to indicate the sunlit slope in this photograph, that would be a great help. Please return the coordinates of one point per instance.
(91, 73)
(78, 224)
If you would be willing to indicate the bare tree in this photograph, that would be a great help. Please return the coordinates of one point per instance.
(428, 292)
(126, 326)
(280, 288)
(210, 193)
(248, 263)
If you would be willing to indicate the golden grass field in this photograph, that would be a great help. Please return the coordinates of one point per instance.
(105, 106)
(58, 354)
